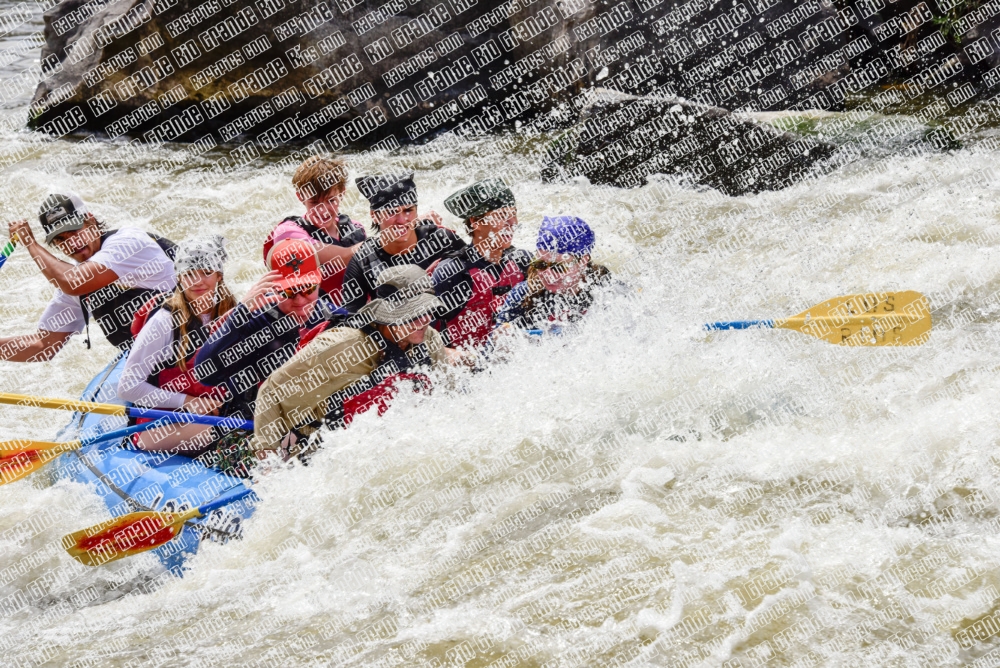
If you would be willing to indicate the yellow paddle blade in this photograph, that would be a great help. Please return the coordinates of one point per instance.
(871, 319)
(15, 465)
(61, 404)
(124, 536)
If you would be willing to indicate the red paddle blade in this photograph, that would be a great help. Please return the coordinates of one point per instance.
(124, 536)
(16, 465)
(21, 457)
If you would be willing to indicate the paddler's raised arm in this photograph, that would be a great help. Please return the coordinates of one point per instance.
(71, 279)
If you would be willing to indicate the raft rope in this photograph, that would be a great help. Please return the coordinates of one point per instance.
(132, 503)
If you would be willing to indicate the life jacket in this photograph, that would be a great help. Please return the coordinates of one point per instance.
(373, 260)
(472, 326)
(114, 307)
(169, 375)
(381, 394)
(143, 312)
(545, 306)
(350, 234)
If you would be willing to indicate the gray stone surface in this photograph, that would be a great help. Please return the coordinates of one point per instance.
(359, 72)
(621, 139)
(381, 73)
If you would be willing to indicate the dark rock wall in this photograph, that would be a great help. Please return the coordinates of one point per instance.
(264, 73)
(277, 70)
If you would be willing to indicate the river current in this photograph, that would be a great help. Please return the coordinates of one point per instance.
(637, 492)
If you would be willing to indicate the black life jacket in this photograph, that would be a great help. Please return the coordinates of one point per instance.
(114, 307)
(433, 245)
(544, 306)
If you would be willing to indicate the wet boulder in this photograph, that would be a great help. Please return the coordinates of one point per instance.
(353, 72)
(622, 139)
(385, 72)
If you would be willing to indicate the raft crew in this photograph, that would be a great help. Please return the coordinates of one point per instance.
(160, 370)
(262, 332)
(287, 355)
(402, 238)
(346, 370)
(116, 272)
(320, 184)
(473, 282)
(560, 281)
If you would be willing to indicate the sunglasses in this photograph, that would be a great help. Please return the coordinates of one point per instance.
(291, 293)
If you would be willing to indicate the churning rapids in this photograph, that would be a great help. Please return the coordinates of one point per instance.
(638, 491)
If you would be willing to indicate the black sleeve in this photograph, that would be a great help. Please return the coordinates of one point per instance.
(356, 289)
(240, 324)
(456, 242)
(453, 286)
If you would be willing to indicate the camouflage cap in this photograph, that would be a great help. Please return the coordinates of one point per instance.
(480, 198)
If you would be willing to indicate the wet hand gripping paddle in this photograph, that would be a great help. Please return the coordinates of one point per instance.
(115, 409)
(136, 532)
(23, 457)
(871, 319)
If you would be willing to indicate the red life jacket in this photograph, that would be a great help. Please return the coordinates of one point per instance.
(382, 394)
(472, 326)
(143, 312)
(171, 377)
(311, 334)
(333, 272)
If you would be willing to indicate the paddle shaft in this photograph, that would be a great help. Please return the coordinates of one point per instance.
(739, 324)
(224, 500)
(794, 322)
(202, 511)
(5, 253)
(114, 409)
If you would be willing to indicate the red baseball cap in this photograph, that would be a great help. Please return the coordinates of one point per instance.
(296, 260)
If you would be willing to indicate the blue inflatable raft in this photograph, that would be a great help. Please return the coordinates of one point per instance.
(131, 480)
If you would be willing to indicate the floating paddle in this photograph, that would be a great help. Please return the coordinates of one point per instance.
(22, 457)
(872, 319)
(6, 251)
(136, 532)
(115, 409)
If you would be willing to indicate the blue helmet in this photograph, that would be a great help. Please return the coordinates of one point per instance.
(565, 234)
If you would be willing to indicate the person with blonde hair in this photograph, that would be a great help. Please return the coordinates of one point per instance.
(320, 183)
(160, 370)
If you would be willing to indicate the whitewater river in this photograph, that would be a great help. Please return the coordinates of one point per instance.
(640, 492)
